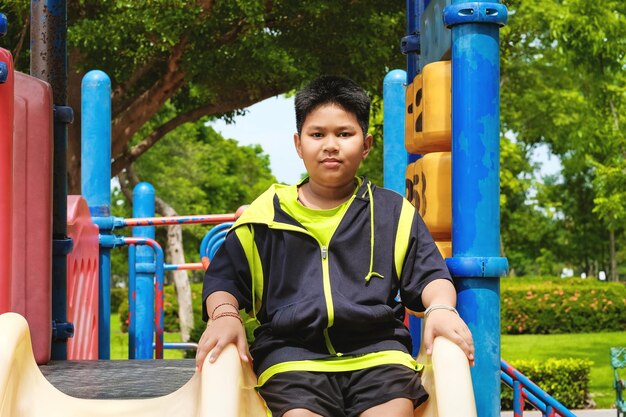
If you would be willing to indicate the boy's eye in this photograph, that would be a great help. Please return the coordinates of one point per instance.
(345, 134)
(317, 135)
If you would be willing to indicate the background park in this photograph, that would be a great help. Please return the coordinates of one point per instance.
(179, 67)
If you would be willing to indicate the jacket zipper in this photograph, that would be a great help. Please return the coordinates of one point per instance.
(330, 311)
(329, 301)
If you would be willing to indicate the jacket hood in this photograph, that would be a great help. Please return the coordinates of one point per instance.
(263, 212)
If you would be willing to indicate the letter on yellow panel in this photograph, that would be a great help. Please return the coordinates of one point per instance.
(434, 187)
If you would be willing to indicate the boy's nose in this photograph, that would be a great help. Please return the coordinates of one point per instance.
(331, 143)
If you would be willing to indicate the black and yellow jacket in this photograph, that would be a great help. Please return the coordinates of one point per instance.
(315, 302)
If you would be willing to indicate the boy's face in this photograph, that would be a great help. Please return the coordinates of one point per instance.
(332, 145)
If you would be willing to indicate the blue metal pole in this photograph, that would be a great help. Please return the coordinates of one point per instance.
(476, 262)
(132, 297)
(49, 63)
(411, 43)
(394, 153)
(96, 184)
(143, 206)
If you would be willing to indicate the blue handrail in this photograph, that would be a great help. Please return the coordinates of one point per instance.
(526, 390)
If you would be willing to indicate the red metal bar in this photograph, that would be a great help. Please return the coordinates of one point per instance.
(196, 266)
(164, 221)
(6, 181)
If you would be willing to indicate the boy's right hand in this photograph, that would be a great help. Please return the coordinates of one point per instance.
(218, 334)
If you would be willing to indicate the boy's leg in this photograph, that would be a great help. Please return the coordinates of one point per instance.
(385, 390)
(400, 407)
(303, 394)
(300, 412)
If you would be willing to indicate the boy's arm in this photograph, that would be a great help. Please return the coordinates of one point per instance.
(224, 327)
(226, 289)
(444, 322)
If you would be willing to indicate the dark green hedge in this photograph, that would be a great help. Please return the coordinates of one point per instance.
(566, 380)
(565, 306)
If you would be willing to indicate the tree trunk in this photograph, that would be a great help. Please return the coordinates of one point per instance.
(175, 254)
(612, 255)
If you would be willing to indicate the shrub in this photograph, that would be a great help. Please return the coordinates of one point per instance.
(117, 296)
(566, 380)
(564, 306)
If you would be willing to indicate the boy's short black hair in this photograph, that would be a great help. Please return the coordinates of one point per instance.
(332, 89)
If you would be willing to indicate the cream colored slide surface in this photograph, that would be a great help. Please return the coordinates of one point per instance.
(446, 377)
(223, 389)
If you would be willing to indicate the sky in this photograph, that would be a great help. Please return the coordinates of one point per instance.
(272, 123)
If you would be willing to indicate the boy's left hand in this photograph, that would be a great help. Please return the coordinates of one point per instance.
(449, 325)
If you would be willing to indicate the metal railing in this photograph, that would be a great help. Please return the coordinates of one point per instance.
(524, 390)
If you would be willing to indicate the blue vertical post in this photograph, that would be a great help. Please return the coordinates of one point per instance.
(395, 156)
(411, 46)
(411, 42)
(96, 185)
(476, 262)
(143, 206)
(394, 153)
(132, 297)
(48, 42)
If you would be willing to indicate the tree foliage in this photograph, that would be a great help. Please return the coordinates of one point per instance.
(214, 58)
(563, 86)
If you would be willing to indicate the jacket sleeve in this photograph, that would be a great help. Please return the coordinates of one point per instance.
(423, 264)
(228, 271)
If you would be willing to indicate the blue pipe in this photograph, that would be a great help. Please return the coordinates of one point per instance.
(96, 184)
(475, 183)
(540, 396)
(394, 153)
(413, 12)
(143, 316)
(132, 297)
(208, 239)
(534, 401)
(48, 42)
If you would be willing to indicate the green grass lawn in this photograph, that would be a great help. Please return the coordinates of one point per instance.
(119, 342)
(592, 346)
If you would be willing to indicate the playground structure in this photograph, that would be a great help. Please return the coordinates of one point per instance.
(424, 125)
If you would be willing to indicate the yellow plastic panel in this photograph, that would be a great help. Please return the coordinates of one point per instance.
(408, 114)
(445, 248)
(411, 179)
(434, 193)
(435, 111)
(413, 127)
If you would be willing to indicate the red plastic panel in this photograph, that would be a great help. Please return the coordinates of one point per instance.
(82, 280)
(6, 181)
(32, 210)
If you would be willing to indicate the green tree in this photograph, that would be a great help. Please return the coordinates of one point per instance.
(212, 58)
(564, 86)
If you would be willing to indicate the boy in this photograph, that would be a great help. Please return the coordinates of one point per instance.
(319, 266)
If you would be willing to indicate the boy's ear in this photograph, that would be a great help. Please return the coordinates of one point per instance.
(367, 145)
(298, 144)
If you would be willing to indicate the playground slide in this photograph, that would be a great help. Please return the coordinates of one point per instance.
(224, 388)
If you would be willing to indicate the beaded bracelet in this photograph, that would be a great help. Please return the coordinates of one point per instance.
(439, 307)
(221, 305)
(228, 314)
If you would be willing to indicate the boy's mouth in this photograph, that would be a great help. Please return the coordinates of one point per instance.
(331, 162)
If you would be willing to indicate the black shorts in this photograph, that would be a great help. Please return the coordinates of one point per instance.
(341, 394)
